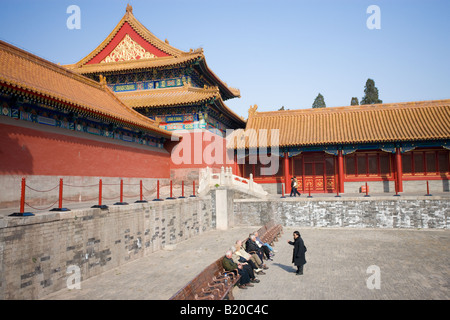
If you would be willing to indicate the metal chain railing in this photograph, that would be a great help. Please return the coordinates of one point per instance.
(120, 196)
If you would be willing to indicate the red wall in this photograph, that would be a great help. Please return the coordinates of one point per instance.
(32, 152)
(202, 149)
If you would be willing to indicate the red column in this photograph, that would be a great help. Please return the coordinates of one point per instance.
(398, 166)
(340, 171)
(287, 176)
(238, 168)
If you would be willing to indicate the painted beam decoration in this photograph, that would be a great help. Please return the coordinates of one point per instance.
(24, 109)
(149, 85)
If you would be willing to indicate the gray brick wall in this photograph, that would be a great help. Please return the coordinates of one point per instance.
(376, 212)
(36, 252)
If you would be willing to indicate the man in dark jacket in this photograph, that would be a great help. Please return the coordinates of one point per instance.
(230, 265)
(298, 257)
(252, 246)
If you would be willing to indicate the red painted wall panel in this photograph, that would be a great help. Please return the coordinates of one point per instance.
(33, 152)
(199, 150)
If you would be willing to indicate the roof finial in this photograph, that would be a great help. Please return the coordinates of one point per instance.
(129, 9)
(102, 80)
(252, 110)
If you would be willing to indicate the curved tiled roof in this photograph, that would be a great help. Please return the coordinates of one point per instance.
(378, 123)
(174, 57)
(168, 97)
(141, 30)
(29, 73)
(178, 96)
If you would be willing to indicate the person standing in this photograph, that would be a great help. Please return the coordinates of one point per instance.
(294, 186)
(298, 257)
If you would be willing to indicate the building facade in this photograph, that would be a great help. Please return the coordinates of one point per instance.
(120, 112)
(174, 88)
(394, 147)
(138, 108)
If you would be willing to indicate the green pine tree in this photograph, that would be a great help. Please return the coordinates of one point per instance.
(354, 102)
(371, 93)
(319, 102)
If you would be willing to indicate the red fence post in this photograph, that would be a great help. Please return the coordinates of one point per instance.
(282, 190)
(60, 208)
(121, 190)
(100, 205)
(193, 189)
(141, 194)
(309, 190)
(428, 190)
(171, 194)
(100, 187)
(121, 203)
(22, 202)
(182, 189)
(60, 193)
(367, 191)
(22, 196)
(157, 192)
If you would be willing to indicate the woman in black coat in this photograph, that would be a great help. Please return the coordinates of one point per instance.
(298, 257)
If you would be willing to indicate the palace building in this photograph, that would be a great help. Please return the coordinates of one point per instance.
(112, 114)
(394, 147)
(122, 110)
(174, 88)
(55, 122)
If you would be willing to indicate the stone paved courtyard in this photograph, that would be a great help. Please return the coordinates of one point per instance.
(413, 264)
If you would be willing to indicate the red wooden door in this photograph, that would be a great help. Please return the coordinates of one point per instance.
(314, 176)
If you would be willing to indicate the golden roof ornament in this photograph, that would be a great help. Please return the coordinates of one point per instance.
(252, 110)
(102, 80)
(129, 9)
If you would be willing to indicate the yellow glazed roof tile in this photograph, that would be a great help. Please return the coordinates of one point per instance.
(409, 121)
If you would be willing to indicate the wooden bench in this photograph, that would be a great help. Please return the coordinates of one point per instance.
(270, 232)
(213, 283)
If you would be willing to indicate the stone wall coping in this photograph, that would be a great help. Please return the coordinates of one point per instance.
(52, 216)
(346, 198)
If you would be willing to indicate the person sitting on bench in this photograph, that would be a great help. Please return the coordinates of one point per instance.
(230, 265)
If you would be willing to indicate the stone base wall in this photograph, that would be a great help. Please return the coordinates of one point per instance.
(409, 186)
(37, 252)
(374, 212)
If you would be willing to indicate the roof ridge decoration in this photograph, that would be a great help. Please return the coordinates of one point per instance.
(128, 22)
(129, 8)
(252, 111)
(359, 108)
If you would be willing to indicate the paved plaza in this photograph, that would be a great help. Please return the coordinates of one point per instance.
(409, 264)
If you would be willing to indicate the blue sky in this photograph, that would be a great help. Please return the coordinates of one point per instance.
(278, 53)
